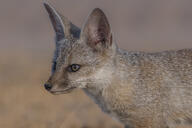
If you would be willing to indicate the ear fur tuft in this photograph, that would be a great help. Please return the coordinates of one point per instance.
(97, 30)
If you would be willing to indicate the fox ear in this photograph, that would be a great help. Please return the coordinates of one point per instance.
(62, 26)
(96, 31)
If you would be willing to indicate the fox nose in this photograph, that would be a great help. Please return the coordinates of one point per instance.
(48, 86)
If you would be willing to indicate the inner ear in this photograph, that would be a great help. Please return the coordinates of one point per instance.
(97, 29)
(98, 33)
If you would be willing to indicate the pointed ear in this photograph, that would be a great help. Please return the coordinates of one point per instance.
(97, 32)
(62, 26)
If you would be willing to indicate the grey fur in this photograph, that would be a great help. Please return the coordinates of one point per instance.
(64, 29)
(141, 90)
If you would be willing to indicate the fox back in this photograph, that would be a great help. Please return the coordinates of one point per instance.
(141, 90)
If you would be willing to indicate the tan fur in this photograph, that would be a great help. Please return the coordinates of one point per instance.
(141, 90)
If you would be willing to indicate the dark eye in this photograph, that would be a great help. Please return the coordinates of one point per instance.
(73, 68)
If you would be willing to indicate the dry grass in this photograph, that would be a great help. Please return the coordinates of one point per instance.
(32, 107)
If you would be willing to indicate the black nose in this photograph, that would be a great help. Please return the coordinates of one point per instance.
(48, 86)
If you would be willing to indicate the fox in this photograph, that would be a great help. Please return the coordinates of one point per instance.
(139, 89)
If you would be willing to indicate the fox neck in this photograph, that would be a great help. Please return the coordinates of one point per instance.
(111, 78)
(102, 80)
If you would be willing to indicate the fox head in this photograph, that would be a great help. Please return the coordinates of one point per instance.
(82, 58)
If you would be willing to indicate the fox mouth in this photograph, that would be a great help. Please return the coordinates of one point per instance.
(64, 91)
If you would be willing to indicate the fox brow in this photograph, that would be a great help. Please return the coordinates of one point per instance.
(63, 48)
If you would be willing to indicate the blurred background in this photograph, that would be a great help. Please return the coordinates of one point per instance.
(27, 44)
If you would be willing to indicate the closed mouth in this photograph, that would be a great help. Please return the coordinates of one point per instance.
(67, 90)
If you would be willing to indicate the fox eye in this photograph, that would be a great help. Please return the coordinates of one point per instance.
(73, 68)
